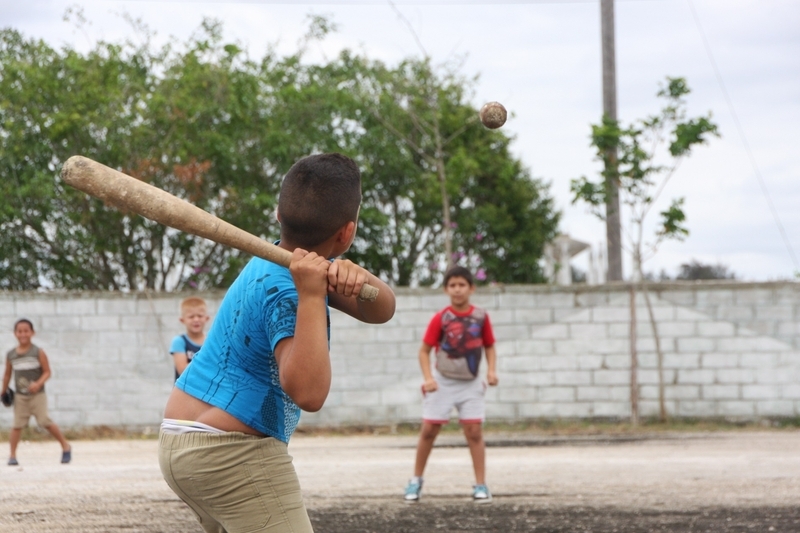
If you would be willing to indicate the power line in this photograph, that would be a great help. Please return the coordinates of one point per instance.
(746, 144)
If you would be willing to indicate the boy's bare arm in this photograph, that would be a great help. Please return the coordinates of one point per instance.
(181, 362)
(37, 385)
(491, 363)
(429, 384)
(6, 376)
(345, 280)
(303, 360)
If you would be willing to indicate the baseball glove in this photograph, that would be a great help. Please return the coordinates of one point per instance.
(7, 398)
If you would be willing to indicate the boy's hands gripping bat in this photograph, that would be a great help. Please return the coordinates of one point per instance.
(130, 194)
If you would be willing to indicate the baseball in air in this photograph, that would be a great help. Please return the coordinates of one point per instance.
(493, 115)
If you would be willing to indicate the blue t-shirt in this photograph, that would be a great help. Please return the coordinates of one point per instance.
(183, 344)
(236, 370)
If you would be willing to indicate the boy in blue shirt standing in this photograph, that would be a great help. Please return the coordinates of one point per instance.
(194, 316)
(223, 442)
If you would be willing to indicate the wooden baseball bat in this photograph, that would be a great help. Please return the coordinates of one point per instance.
(129, 194)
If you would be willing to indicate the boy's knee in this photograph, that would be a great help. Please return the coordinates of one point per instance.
(473, 432)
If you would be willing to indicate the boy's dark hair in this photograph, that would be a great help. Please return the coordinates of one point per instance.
(458, 272)
(23, 321)
(320, 194)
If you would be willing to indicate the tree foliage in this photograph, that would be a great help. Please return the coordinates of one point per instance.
(210, 124)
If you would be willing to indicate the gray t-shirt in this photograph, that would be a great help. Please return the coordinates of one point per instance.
(27, 368)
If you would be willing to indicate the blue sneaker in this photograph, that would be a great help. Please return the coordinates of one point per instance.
(481, 494)
(413, 489)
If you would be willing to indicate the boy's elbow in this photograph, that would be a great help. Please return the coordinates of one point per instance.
(311, 404)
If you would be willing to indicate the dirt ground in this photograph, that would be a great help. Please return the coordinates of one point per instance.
(696, 482)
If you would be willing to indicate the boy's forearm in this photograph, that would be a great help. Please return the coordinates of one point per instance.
(425, 362)
(491, 359)
(305, 371)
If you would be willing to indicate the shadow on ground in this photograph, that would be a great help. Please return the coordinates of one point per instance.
(390, 517)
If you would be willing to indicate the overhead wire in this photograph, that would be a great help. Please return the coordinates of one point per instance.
(762, 183)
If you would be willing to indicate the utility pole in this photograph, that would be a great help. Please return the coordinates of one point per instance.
(613, 232)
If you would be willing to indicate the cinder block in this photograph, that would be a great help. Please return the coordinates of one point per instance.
(537, 410)
(361, 397)
(556, 394)
(720, 392)
(735, 376)
(777, 408)
(611, 377)
(570, 315)
(519, 301)
(760, 392)
(531, 316)
(573, 410)
(736, 408)
(593, 393)
(388, 334)
(59, 323)
(715, 329)
(790, 391)
(697, 344)
(754, 296)
(590, 362)
(116, 306)
(573, 378)
(677, 329)
(714, 297)
(588, 331)
(736, 312)
(681, 360)
(695, 376)
(573, 346)
(618, 361)
(517, 394)
(758, 360)
(559, 362)
(619, 330)
(610, 314)
(34, 308)
(552, 331)
(539, 347)
(520, 363)
(408, 302)
(76, 306)
(679, 297)
(775, 312)
(610, 346)
(697, 408)
(611, 409)
(555, 300)
(683, 392)
(100, 323)
(719, 360)
(534, 379)
(683, 314)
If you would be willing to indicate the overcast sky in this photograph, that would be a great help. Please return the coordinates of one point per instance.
(542, 60)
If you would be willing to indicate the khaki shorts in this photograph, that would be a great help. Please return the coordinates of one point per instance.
(28, 405)
(235, 483)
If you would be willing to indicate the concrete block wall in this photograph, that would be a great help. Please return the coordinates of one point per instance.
(730, 350)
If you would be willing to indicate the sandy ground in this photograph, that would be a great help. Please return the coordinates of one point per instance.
(737, 481)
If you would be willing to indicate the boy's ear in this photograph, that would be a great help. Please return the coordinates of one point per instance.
(277, 214)
(347, 232)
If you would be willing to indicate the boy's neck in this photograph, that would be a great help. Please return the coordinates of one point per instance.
(22, 348)
(461, 308)
(324, 249)
(197, 338)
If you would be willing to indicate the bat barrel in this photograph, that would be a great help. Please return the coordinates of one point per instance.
(129, 194)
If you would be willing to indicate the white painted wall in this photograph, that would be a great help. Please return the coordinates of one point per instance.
(731, 350)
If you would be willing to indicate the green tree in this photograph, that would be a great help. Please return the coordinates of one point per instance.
(208, 123)
(649, 153)
(447, 189)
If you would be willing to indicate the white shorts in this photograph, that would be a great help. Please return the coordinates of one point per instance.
(468, 397)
